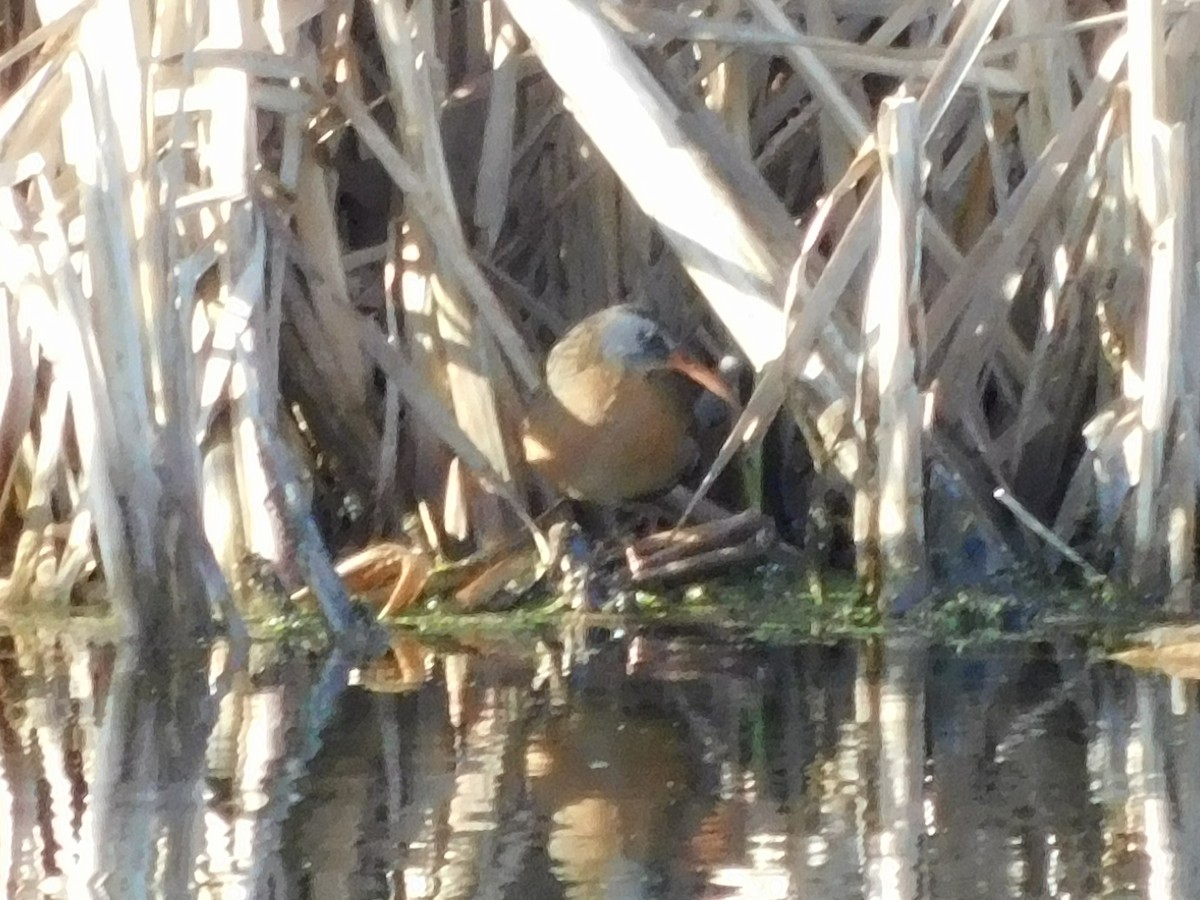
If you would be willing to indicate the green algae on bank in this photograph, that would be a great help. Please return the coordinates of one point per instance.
(776, 605)
(772, 604)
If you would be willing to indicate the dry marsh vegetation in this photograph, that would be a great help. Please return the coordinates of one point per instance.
(278, 274)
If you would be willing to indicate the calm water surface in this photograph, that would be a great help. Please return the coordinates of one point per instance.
(597, 766)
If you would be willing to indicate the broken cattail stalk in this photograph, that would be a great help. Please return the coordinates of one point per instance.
(895, 530)
(670, 553)
(1030, 521)
(703, 563)
(1162, 366)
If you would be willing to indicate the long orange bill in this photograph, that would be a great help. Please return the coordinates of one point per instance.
(703, 376)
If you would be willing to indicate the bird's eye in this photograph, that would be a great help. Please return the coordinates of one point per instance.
(653, 342)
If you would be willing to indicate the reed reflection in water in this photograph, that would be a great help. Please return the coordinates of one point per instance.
(632, 766)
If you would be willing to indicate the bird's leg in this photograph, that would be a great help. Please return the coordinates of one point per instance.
(647, 516)
(578, 588)
(599, 523)
(595, 553)
(579, 585)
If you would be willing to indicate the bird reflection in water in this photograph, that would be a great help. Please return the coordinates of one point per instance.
(653, 766)
(614, 785)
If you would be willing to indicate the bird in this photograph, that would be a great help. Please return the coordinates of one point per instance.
(612, 423)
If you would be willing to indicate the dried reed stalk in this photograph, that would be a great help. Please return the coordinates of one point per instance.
(889, 524)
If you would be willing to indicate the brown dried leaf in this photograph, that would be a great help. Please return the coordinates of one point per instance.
(400, 670)
(377, 566)
(1173, 650)
(515, 572)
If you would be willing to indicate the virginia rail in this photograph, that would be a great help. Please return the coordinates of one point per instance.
(611, 423)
